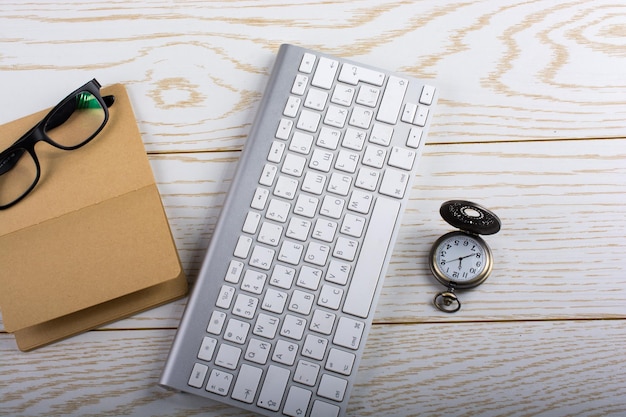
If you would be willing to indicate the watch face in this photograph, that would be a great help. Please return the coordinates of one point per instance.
(461, 259)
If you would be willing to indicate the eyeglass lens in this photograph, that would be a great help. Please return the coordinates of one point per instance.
(18, 172)
(69, 126)
(76, 121)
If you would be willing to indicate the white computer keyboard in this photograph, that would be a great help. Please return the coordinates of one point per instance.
(279, 315)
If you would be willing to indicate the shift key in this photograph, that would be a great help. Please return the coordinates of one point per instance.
(392, 100)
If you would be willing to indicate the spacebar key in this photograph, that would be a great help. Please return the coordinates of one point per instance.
(368, 270)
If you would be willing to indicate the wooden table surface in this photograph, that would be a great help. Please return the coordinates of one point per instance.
(531, 123)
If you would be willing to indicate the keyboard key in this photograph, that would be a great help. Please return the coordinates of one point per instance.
(361, 117)
(247, 383)
(270, 233)
(409, 112)
(268, 175)
(354, 139)
(353, 225)
(253, 281)
(415, 137)
(297, 401)
(307, 63)
(228, 356)
(332, 207)
(394, 183)
(284, 129)
(217, 322)
(282, 276)
(381, 134)
(301, 143)
(325, 73)
(328, 138)
(308, 121)
(292, 106)
(286, 187)
(343, 95)
(322, 322)
(285, 352)
(332, 387)
(349, 333)
(314, 347)
(316, 99)
(299, 84)
(258, 351)
(428, 92)
(235, 268)
(402, 158)
(306, 205)
(278, 210)
(317, 253)
(324, 409)
(314, 183)
(245, 306)
(352, 74)
(345, 248)
(336, 116)
(260, 198)
(374, 156)
(219, 382)
(368, 270)
(301, 302)
(293, 165)
(368, 96)
(340, 361)
(225, 296)
(293, 327)
(330, 297)
(207, 349)
(298, 229)
(262, 257)
(274, 387)
(347, 161)
(276, 151)
(306, 373)
(338, 272)
(291, 252)
(309, 277)
(266, 326)
(392, 100)
(236, 330)
(196, 379)
(274, 301)
(420, 116)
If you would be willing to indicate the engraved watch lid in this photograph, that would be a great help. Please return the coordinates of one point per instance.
(470, 217)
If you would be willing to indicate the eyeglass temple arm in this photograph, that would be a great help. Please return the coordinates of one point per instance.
(65, 111)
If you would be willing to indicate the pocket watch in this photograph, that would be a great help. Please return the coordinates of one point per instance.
(462, 259)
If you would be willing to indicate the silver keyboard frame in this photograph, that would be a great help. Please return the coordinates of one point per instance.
(192, 329)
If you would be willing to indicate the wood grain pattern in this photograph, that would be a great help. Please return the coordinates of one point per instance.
(531, 123)
(477, 369)
(507, 70)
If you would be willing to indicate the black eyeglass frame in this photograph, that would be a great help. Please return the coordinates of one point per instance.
(37, 133)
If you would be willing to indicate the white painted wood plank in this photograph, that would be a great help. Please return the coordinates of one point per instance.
(562, 205)
(506, 69)
(486, 369)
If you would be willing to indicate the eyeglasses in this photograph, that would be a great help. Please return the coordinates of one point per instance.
(72, 123)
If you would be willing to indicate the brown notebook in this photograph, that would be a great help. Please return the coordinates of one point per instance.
(91, 243)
